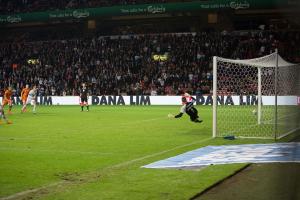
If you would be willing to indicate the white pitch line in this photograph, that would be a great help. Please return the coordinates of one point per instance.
(126, 163)
(26, 192)
(159, 153)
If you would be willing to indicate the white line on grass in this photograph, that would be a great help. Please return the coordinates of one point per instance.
(159, 153)
(123, 164)
(26, 192)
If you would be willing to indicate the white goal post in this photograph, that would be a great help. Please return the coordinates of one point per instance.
(262, 97)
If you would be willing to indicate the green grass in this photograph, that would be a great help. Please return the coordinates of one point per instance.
(98, 154)
(241, 121)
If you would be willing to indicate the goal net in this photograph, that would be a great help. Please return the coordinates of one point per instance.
(256, 98)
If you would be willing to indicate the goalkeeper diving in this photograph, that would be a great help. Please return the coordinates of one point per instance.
(188, 108)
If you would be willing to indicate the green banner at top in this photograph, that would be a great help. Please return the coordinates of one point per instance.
(141, 10)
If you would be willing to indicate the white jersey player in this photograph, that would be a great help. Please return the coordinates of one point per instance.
(31, 99)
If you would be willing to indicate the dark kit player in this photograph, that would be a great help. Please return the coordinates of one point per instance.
(84, 97)
(189, 108)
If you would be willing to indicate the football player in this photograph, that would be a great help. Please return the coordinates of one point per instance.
(188, 108)
(24, 94)
(31, 99)
(84, 97)
(2, 116)
(7, 99)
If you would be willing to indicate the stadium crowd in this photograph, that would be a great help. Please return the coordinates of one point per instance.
(23, 6)
(152, 64)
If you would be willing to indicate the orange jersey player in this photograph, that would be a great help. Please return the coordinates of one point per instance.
(7, 99)
(24, 94)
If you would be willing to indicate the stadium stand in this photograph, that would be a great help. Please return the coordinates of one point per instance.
(152, 64)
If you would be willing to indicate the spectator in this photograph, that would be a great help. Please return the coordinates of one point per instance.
(115, 65)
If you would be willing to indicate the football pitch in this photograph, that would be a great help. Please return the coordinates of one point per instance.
(62, 153)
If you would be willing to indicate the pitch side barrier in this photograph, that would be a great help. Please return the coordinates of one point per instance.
(144, 100)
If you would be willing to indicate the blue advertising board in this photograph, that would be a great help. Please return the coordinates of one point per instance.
(228, 154)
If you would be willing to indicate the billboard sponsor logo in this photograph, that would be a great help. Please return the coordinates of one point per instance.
(239, 5)
(81, 14)
(153, 9)
(13, 19)
(145, 100)
(156, 9)
(119, 100)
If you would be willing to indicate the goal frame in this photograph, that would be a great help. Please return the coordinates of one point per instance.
(259, 93)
